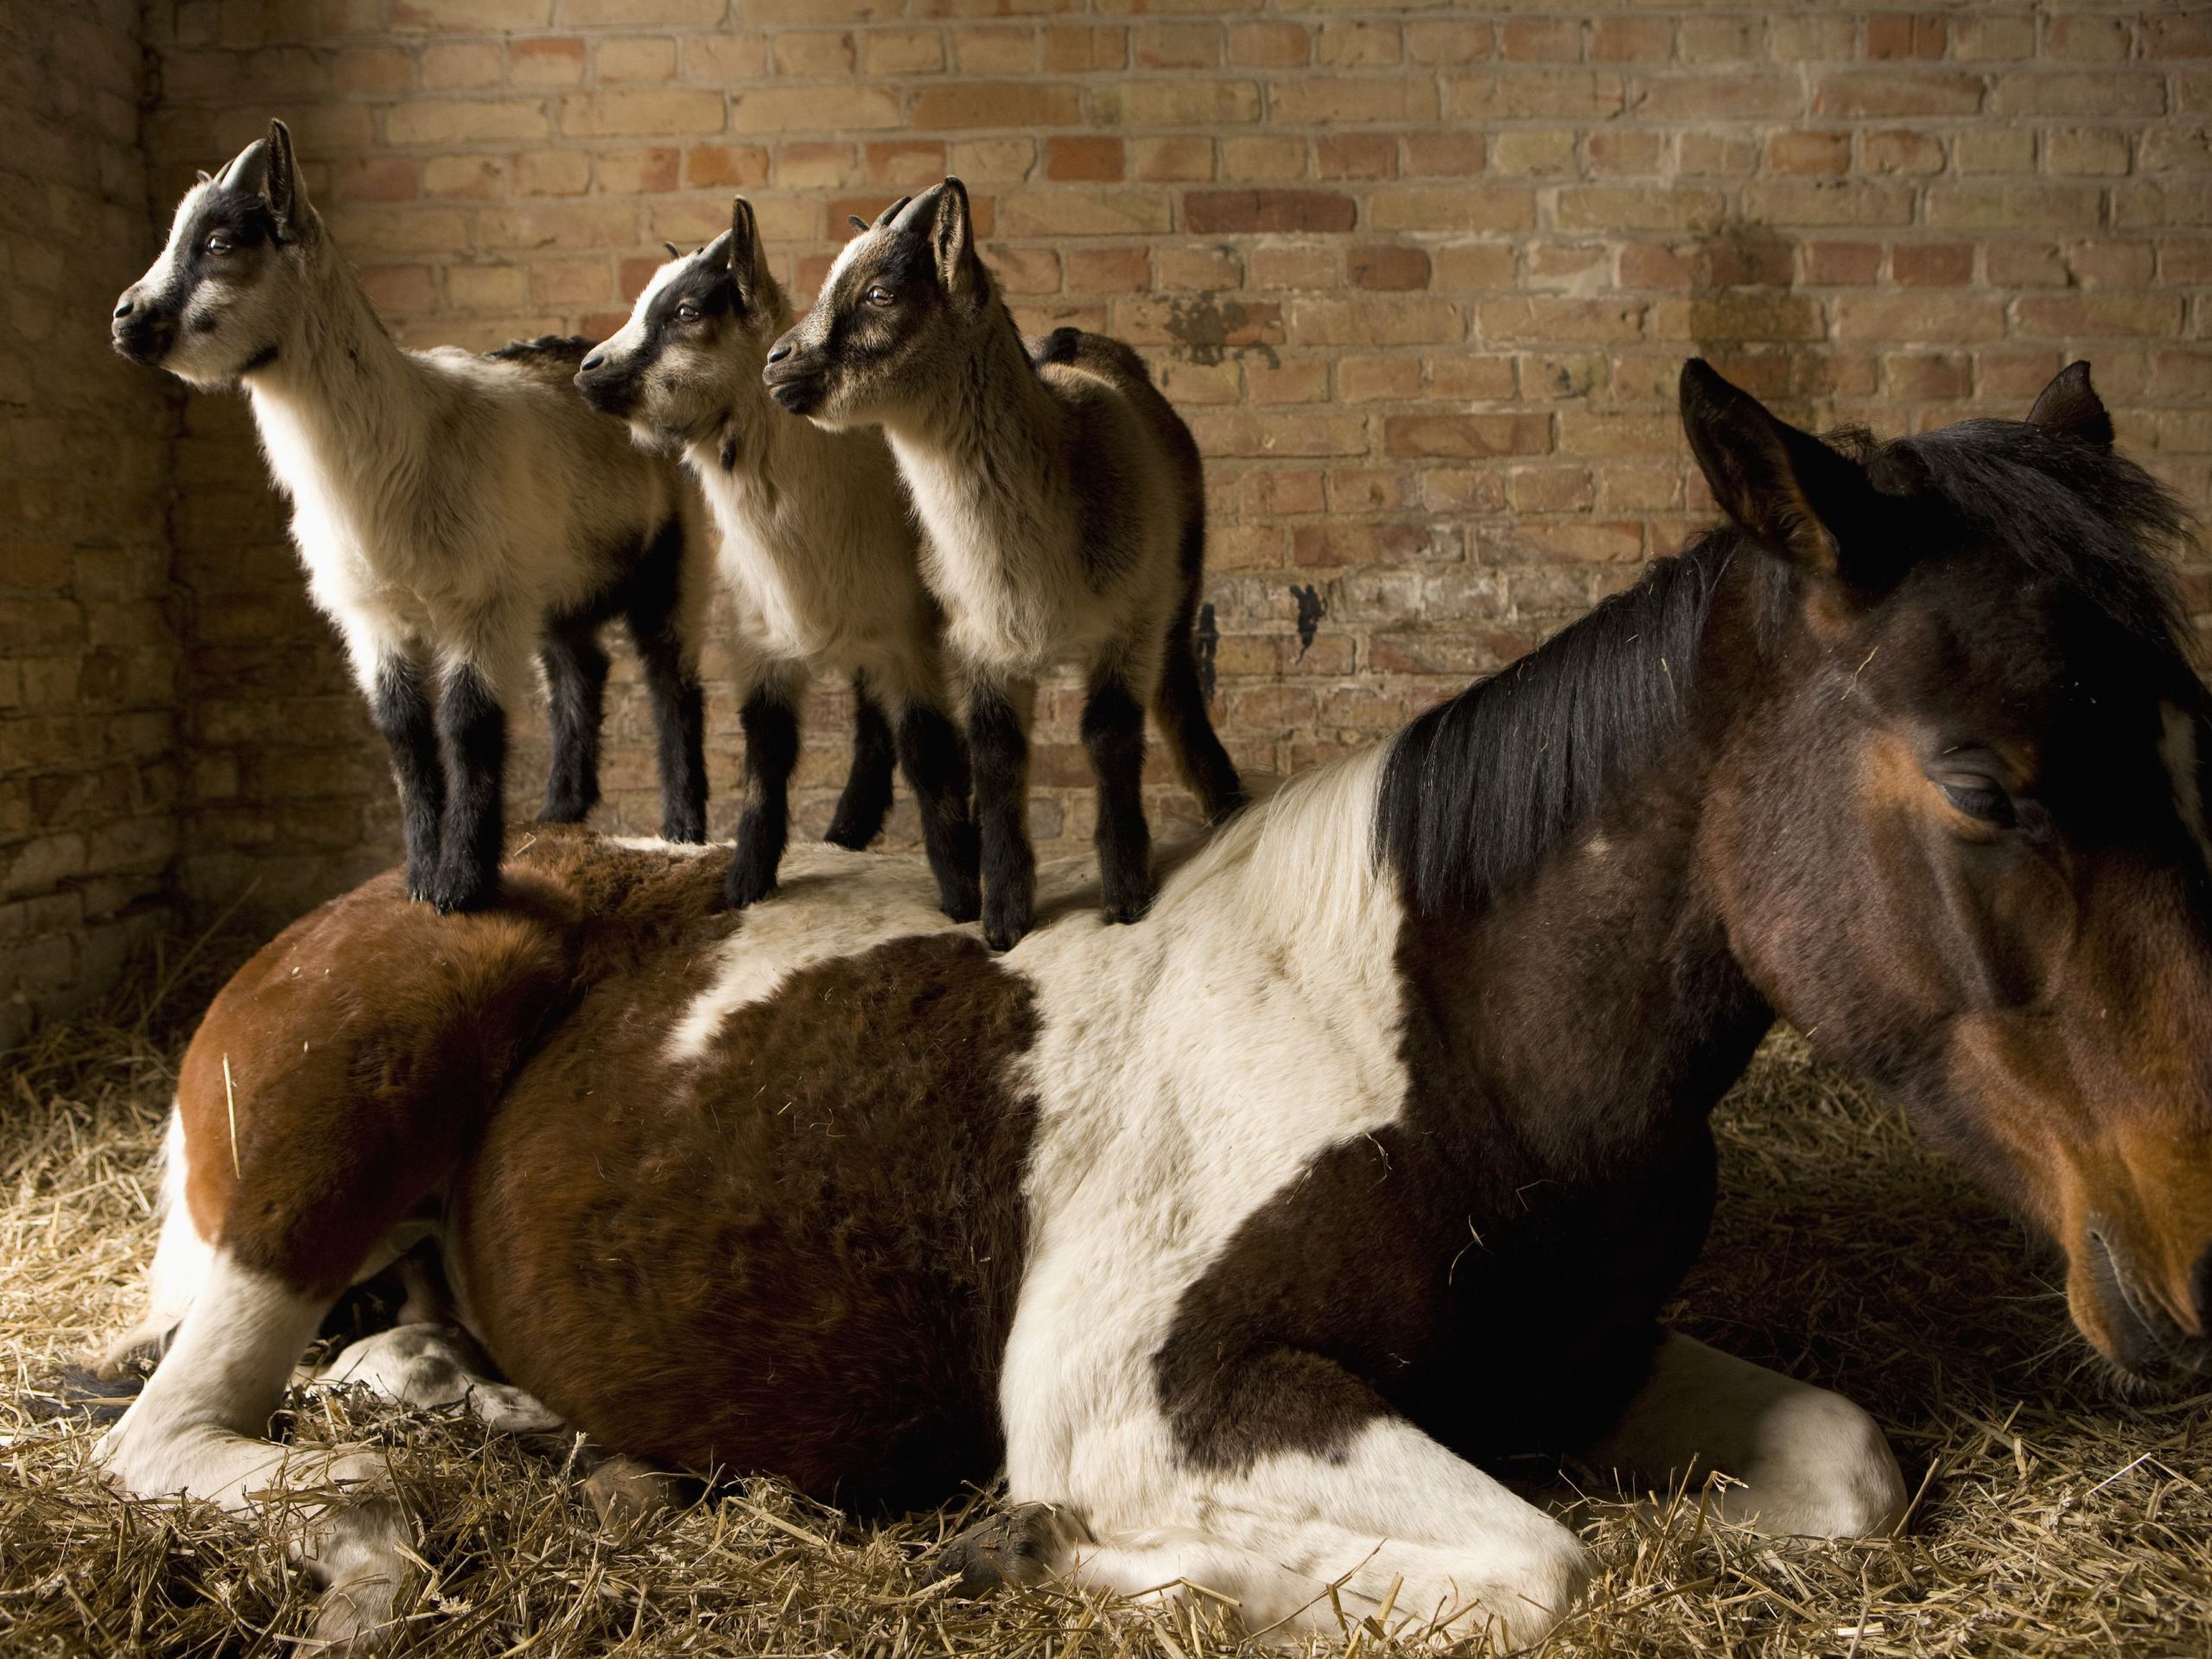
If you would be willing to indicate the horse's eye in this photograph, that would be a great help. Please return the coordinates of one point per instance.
(687, 312)
(1981, 800)
(219, 243)
(880, 294)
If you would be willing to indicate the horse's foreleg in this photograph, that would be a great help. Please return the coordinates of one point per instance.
(1802, 1461)
(1307, 1502)
(199, 1427)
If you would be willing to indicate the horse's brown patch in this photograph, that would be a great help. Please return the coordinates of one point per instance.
(337, 1076)
(797, 1253)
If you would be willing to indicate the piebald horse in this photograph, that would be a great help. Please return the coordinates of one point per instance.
(1246, 1240)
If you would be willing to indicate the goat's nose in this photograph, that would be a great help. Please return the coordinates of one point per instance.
(123, 308)
(590, 363)
(783, 350)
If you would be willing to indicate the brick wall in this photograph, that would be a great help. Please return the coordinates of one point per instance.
(88, 648)
(1421, 278)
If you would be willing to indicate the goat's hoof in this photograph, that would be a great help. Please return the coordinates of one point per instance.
(565, 811)
(1020, 1545)
(748, 883)
(1124, 908)
(962, 902)
(685, 829)
(853, 834)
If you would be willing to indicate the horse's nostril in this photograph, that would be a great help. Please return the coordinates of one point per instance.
(779, 353)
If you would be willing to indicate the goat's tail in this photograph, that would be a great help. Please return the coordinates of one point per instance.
(1184, 687)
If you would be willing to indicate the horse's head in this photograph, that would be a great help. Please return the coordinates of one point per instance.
(1964, 845)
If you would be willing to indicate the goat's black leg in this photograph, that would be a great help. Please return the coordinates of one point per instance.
(672, 684)
(472, 741)
(575, 685)
(866, 797)
(770, 750)
(998, 743)
(1113, 731)
(935, 761)
(401, 709)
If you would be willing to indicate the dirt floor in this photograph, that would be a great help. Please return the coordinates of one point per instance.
(2052, 1518)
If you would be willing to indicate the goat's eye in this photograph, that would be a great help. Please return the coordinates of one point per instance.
(880, 294)
(687, 312)
(1980, 799)
(218, 243)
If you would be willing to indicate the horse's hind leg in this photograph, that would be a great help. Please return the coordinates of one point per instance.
(1801, 1461)
(181, 1260)
(431, 1366)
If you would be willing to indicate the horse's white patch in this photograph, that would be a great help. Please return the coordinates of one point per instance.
(2178, 749)
(182, 1259)
(656, 844)
(1186, 1069)
(427, 1366)
(830, 903)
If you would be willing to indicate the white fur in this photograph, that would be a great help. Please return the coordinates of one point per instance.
(198, 1427)
(428, 1366)
(1802, 1460)
(182, 1262)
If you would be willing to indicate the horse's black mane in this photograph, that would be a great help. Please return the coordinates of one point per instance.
(1477, 790)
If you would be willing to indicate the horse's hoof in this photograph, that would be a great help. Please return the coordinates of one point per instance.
(1019, 1546)
(363, 1562)
(623, 1492)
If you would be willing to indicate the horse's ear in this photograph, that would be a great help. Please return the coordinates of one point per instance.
(1799, 497)
(2069, 408)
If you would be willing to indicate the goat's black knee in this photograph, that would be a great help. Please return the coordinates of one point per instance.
(575, 685)
(999, 750)
(935, 761)
(866, 797)
(1113, 732)
(472, 740)
(401, 710)
(771, 727)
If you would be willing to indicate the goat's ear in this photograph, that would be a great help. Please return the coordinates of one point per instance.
(287, 195)
(2069, 408)
(1799, 498)
(952, 238)
(748, 260)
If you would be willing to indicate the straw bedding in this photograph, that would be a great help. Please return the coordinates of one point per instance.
(2052, 1518)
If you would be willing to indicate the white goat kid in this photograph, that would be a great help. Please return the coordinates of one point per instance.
(457, 515)
(818, 549)
(1064, 508)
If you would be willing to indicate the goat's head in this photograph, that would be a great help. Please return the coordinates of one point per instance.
(222, 299)
(687, 364)
(895, 318)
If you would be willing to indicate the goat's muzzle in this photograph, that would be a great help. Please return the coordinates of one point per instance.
(141, 332)
(611, 391)
(794, 379)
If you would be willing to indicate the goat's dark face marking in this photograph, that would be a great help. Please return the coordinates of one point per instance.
(222, 298)
(686, 367)
(886, 332)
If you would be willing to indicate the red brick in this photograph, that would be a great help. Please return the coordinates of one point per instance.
(1071, 157)
(1231, 213)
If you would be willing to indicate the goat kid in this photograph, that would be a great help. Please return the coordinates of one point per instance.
(817, 548)
(457, 514)
(1064, 513)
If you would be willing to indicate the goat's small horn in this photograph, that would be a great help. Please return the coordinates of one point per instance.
(674, 252)
(853, 219)
(202, 175)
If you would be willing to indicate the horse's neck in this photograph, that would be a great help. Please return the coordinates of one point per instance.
(1596, 1003)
